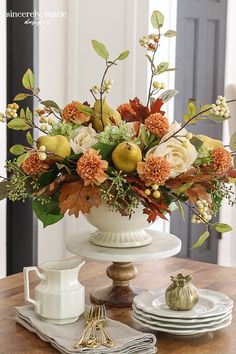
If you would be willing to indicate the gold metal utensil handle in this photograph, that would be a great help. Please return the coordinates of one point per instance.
(107, 341)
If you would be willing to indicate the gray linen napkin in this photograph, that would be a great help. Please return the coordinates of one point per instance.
(62, 337)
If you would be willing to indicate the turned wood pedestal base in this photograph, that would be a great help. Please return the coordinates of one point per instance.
(120, 293)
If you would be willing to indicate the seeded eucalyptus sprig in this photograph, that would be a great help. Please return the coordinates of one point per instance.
(101, 50)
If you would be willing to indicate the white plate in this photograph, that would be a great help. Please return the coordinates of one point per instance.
(179, 325)
(185, 321)
(210, 303)
(184, 332)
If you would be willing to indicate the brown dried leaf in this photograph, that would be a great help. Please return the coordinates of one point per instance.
(75, 197)
(198, 192)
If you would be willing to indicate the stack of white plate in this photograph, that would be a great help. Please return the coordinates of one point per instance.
(213, 311)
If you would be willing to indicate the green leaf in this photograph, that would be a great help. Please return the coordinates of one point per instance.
(168, 94)
(123, 55)
(157, 19)
(3, 190)
(100, 49)
(28, 114)
(18, 124)
(219, 227)
(203, 108)
(201, 240)
(60, 166)
(105, 150)
(183, 188)
(170, 33)
(144, 137)
(22, 158)
(197, 143)
(162, 67)
(48, 177)
(49, 213)
(191, 109)
(28, 80)
(29, 138)
(21, 96)
(217, 119)
(181, 209)
(17, 149)
(232, 142)
(51, 104)
(186, 117)
(88, 111)
(149, 58)
(36, 90)
(22, 113)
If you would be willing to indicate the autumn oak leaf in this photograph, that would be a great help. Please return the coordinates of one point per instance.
(75, 198)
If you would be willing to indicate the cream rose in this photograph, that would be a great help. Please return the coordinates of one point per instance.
(85, 138)
(180, 154)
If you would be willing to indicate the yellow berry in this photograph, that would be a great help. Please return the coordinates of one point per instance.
(51, 121)
(189, 136)
(157, 85)
(43, 127)
(185, 143)
(155, 187)
(42, 156)
(15, 106)
(10, 105)
(42, 148)
(147, 192)
(156, 194)
(42, 120)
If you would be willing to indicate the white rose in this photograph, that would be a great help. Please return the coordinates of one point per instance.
(85, 138)
(180, 154)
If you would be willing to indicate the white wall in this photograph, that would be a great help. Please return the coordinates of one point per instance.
(227, 246)
(53, 84)
(2, 136)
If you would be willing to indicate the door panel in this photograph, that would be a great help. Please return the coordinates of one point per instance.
(200, 62)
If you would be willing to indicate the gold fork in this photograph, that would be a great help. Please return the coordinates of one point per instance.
(88, 337)
(106, 340)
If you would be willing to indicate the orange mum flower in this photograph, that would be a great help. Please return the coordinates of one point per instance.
(91, 167)
(126, 112)
(154, 170)
(157, 124)
(71, 113)
(222, 160)
(32, 166)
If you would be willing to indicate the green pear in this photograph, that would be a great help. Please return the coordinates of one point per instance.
(58, 145)
(109, 116)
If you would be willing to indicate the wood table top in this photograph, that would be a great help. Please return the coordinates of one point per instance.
(14, 339)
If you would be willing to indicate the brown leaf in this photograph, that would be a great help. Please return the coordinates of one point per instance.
(156, 106)
(142, 112)
(198, 192)
(75, 197)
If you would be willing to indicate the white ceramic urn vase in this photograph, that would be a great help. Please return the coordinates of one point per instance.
(117, 231)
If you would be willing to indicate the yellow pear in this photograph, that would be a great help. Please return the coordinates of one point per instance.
(208, 142)
(109, 116)
(126, 156)
(58, 145)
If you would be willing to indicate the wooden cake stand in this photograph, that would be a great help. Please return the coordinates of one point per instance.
(122, 270)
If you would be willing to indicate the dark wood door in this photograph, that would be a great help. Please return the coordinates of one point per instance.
(200, 62)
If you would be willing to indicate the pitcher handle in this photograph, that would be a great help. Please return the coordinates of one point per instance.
(26, 271)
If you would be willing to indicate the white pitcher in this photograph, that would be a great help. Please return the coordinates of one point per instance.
(59, 298)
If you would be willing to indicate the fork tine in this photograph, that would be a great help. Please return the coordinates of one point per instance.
(104, 311)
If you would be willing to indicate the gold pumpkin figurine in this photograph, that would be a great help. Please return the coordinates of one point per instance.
(181, 295)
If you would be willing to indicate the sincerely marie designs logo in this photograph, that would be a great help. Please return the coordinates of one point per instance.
(36, 18)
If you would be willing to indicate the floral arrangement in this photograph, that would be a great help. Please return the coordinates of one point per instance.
(91, 153)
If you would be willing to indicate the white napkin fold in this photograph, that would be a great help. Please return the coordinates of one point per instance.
(62, 337)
